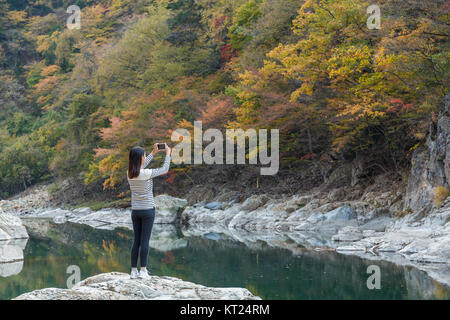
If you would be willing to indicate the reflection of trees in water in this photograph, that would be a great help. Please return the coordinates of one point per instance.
(269, 272)
(169, 258)
(273, 273)
(11, 256)
(53, 247)
(107, 257)
(423, 287)
(440, 291)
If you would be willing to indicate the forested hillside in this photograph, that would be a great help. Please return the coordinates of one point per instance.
(72, 102)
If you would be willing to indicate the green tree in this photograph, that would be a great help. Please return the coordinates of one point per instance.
(19, 124)
(243, 18)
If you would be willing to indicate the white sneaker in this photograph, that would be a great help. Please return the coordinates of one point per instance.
(143, 274)
(133, 274)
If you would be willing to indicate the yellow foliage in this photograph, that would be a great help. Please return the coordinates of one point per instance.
(17, 16)
(44, 42)
(440, 194)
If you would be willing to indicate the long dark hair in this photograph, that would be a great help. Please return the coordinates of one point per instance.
(135, 162)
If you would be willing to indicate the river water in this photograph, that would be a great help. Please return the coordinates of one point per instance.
(210, 260)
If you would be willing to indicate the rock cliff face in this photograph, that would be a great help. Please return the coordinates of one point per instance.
(119, 286)
(430, 164)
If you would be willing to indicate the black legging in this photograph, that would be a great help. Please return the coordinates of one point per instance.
(142, 226)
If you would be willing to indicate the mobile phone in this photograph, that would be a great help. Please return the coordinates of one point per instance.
(161, 146)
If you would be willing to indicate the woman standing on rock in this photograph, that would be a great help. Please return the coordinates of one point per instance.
(142, 202)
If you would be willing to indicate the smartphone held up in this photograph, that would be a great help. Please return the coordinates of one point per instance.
(161, 146)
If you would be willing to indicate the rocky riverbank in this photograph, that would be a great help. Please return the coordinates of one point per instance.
(370, 227)
(367, 228)
(33, 206)
(119, 286)
(351, 228)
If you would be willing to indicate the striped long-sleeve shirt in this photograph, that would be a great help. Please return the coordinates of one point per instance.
(142, 185)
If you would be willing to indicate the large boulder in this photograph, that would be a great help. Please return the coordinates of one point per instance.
(11, 227)
(215, 205)
(168, 208)
(119, 286)
(344, 213)
(316, 217)
(254, 202)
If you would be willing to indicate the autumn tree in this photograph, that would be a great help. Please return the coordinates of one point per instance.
(356, 75)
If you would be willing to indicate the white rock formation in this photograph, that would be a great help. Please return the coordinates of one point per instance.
(119, 286)
(11, 227)
(168, 209)
(13, 239)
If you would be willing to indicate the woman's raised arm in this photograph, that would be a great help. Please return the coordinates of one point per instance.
(162, 170)
(165, 168)
(151, 155)
(147, 160)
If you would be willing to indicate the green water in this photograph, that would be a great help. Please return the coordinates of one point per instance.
(268, 272)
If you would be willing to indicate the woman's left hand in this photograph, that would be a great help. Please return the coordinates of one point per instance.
(155, 149)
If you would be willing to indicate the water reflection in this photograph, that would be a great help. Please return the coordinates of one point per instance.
(166, 237)
(11, 256)
(212, 259)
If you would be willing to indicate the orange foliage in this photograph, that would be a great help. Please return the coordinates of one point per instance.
(110, 134)
(46, 84)
(50, 70)
(102, 152)
(217, 112)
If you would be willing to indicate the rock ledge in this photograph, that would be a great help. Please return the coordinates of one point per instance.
(119, 286)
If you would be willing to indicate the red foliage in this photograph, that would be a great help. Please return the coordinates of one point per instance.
(217, 22)
(226, 53)
(171, 177)
(308, 156)
(396, 101)
(398, 105)
(407, 106)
